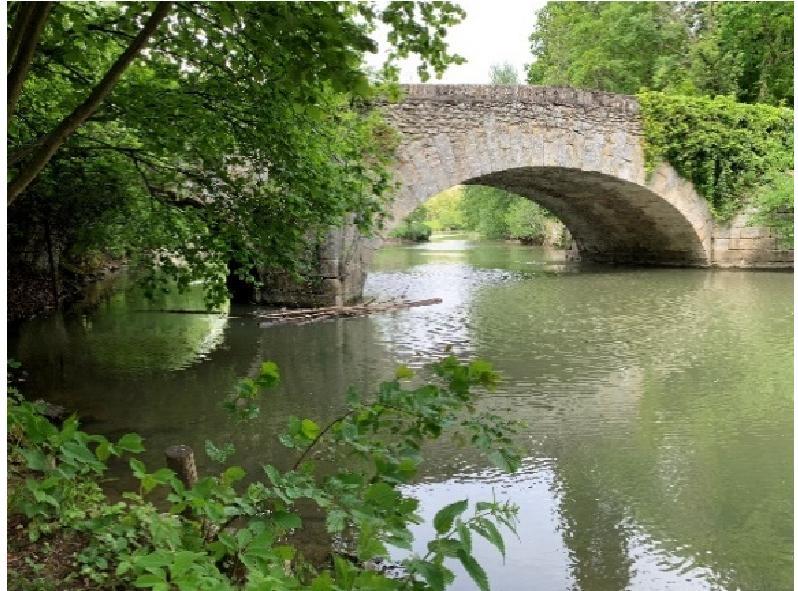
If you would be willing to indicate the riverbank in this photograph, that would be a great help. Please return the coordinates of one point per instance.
(34, 292)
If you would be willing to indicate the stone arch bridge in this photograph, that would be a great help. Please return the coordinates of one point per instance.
(577, 153)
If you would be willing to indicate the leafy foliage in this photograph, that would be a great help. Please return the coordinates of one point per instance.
(241, 131)
(526, 220)
(414, 227)
(443, 211)
(775, 204)
(491, 212)
(224, 534)
(412, 231)
(503, 74)
(725, 148)
(743, 49)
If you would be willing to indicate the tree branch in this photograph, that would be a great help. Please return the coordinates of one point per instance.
(22, 17)
(55, 139)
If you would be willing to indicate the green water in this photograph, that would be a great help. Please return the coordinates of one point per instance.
(659, 402)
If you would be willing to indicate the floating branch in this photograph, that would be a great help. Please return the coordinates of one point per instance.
(302, 315)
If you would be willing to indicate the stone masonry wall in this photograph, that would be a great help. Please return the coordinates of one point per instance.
(738, 244)
(337, 275)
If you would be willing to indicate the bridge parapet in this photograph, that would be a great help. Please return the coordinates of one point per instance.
(520, 93)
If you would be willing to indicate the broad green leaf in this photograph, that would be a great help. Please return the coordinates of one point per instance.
(336, 520)
(131, 442)
(269, 374)
(286, 520)
(233, 474)
(473, 568)
(381, 494)
(310, 429)
(445, 517)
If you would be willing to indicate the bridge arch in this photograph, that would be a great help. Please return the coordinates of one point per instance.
(577, 153)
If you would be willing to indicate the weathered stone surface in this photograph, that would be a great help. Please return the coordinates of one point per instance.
(739, 244)
(577, 153)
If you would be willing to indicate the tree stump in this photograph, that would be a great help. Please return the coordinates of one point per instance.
(180, 459)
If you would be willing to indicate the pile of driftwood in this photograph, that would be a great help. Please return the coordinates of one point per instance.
(302, 315)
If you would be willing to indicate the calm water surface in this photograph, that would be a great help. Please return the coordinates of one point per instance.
(658, 402)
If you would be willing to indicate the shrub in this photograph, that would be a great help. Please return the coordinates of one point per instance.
(412, 231)
(725, 148)
(220, 535)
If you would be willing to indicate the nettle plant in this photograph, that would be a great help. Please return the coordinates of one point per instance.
(224, 534)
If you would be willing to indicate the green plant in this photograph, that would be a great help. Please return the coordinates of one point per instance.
(775, 204)
(412, 230)
(526, 221)
(223, 534)
(725, 148)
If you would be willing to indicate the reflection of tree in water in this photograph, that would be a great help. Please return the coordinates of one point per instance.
(591, 522)
(695, 453)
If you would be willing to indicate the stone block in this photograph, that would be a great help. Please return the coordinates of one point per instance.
(721, 232)
(329, 268)
(753, 232)
(332, 286)
(720, 243)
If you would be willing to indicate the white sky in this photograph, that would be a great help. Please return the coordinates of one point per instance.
(494, 31)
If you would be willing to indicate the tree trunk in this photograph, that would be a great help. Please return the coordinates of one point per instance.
(48, 235)
(21, 46)
(55, 139)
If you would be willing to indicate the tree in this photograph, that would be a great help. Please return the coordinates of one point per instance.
(503, 74)
(41, 151)
(744, 49)
(241, 127)
(526, 220)
(612, 46)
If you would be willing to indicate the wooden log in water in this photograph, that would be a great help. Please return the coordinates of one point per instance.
(312, 314)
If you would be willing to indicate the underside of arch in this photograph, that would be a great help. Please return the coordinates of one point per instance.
(611, 219)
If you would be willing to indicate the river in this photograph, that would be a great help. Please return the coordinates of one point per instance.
(659, 403)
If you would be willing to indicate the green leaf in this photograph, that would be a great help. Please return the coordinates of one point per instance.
(404, 373)
(310, 429)
(473, 568)
(488, 530)
(36, 459)
(151, 580)
(445, 546)
(465, 535)
(130, 442)
(269, 374)
(138, 468)
(233, 474)
(445, 517)
(433, 573)
(217, 454)
(381, 494)
(336, 520)
(104, 450)
(286, 520)
(153, 560)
